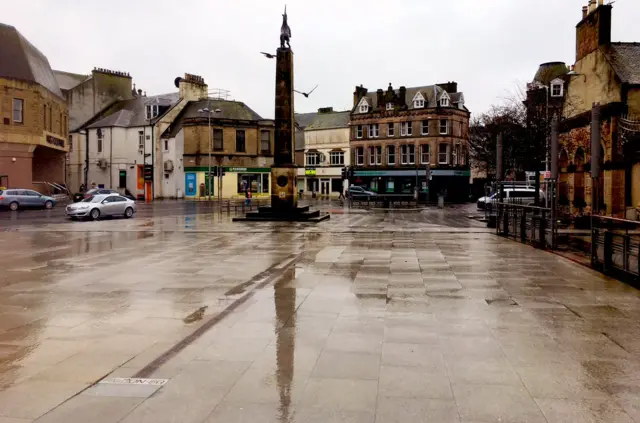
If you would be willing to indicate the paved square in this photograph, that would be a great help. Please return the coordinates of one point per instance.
(369, 317)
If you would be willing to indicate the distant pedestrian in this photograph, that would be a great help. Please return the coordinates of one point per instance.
(247, 200)
(341, 196)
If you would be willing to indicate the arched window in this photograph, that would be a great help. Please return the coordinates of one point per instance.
(563, 159)
(578, 159)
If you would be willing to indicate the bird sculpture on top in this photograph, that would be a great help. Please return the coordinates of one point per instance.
(285, 31)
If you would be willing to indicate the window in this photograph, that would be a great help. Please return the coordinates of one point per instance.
(359, 131)
(408, 154)
(556, 90)
(405, 129)
(166, 145)
(254, 182)
(336, 158)
(313, 159)
(374, 130)
(65, 127)
(240, 147)
(44, 116)
(390, 130)
(391, 154)
(443, 153)
(418, 101)
(389, 106)
(18, 110)
(425, 127)
(140, 140)
(375, 155)
(151, 111)
(50, 120)
(60, 124)
(444, 100)
(217, 140)
(70, 143)
(456, 155)
(425, 154)
(364, 106)
(444, 126)
(360, 156)
(265, 142)
(99, 140)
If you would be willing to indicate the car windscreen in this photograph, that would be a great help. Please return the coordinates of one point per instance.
(92, 199)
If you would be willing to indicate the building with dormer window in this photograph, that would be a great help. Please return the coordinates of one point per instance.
(395, 135)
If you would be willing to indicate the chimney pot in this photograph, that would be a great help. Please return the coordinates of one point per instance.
(585, 11)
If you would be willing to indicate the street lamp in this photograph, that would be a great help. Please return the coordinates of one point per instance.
(209, 112)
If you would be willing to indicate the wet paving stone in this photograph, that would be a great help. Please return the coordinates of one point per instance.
(369, 317)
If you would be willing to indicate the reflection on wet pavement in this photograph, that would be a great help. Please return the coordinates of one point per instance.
(385, 317)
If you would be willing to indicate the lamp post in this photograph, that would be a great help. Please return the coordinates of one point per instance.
(209, 112)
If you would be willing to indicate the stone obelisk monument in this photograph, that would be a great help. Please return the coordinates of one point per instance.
(284, 197)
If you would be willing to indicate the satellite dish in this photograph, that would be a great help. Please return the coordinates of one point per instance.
(177, 82)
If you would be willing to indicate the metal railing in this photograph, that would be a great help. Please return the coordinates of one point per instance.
(527, 224)
(615, 246)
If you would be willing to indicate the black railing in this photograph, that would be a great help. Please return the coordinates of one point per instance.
(525, 223)
(615, 246)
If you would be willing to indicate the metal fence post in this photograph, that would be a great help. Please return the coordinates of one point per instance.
(523, 227)
(608, 250)
(594, 246)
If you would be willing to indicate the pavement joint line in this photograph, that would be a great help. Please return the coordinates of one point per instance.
(261, 280)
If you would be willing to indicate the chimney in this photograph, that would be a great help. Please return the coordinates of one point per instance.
(594, 30)
(325, 110)
(402, 96)
(380, 98)
(192, 87)
(585, 11)
(450, 87)
(358, 94)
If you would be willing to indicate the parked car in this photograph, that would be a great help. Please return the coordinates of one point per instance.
(16, 199)
(516, 195)
(101, 205)
(100, 191)
(359, 192)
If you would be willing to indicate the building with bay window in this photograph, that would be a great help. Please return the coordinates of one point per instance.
(326, 153)
(396, 134)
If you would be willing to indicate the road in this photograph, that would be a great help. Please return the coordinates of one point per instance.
(181, 315)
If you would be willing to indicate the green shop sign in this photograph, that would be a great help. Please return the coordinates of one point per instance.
(228, 169)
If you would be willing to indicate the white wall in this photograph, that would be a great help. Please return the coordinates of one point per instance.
(172, 185)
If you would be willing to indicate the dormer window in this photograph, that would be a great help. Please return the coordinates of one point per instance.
(557, 89)
(151, 111)
(418, 101)
(389, 106)
(444, 100)
(364, 106)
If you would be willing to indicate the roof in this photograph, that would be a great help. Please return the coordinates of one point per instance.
(19, 59)
(625, 60)
(68, 80)
(547, 72)
(233, 110)
(132, 113)
(330, 120)
(431, 94)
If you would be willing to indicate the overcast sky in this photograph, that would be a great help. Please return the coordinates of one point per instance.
(488, 46)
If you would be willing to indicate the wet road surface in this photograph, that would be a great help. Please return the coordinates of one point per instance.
(368, 317)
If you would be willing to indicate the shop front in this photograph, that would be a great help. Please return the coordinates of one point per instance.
(321, 182)
(237, 180)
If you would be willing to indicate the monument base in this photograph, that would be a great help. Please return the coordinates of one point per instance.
(284, 201)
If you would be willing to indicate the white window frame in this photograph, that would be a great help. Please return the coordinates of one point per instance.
(19, 110)
(446, 130)
(560, 90)
(151, 111)
(363, 107)
(425, 149)
(418, 101)
(391, 130)
(446, 153)
(424, 125)
(359, 156)
(336, 158)
(312, 159)
(408, 154)
(359, 132)
(389, 155)
(445, 100)
(374, 130)
(100, 141)
(406, 129)
(140, 140)
(389, 106)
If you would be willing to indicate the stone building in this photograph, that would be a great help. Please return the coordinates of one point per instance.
(34, 118)
(326, 154)
(302, 120)
(607, 73)
(236, 138)
(397, 133)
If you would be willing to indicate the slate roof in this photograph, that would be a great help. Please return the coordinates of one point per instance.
(234, 110)
(330, 120)
(131, 113)
(302, 121)
(68, 80)
(21, 60)
(431, 94)
(625, 60)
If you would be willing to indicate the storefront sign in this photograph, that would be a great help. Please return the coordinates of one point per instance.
(190, 184)
(248, 169)
(310, 172)
(419, 172)
(55, 141)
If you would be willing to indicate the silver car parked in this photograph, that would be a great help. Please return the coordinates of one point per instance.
(97, 206)
(16, 199)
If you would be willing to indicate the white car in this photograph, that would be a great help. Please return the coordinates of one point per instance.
(97, 206)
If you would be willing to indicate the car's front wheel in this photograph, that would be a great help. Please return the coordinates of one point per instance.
(95, 214)
(128, 213)
(13, 206)
(48, 205)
